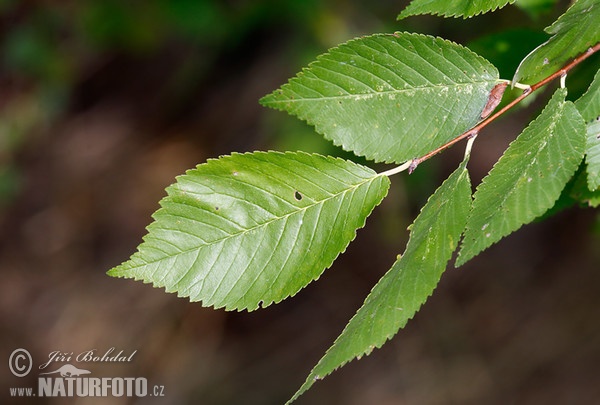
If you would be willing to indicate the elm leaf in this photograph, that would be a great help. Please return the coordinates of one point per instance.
(406, 286)
(390, 97)
(589, 107)
(528, 178)
(252, 229)
(572, 33)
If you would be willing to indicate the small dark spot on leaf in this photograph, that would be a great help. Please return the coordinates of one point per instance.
(216, 208)
(298, 196)
(546, 61)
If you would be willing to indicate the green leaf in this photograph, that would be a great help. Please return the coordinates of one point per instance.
(589, 104)
(390, 97)
(411, 280)
(528, 178)
(251, 229)
(590, 198)
(593, 154)
(452, 8)
(578, 192)
(573, 33)
(589, 107)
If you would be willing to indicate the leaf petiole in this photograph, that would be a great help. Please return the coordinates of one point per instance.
(469, 146)
(398, 169)
(522, 86)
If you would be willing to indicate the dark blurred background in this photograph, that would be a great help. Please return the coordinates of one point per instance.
(104, 102)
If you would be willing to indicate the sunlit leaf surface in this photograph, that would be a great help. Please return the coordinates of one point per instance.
(252, 229)
(390, 97)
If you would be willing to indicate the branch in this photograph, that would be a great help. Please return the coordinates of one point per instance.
(530, 89)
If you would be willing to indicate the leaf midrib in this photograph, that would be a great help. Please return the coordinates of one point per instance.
(508, 195)
(264, 224)
(373, 94)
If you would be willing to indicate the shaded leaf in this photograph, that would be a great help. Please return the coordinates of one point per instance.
(390, 97)
(590, 198)
(528, 178)
(411, 280)
(452, 8)
(580, 193)
(250, 229)
(593, 154)
(573, 33)
(589, 107)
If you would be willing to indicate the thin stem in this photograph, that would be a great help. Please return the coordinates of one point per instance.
(395, 170)
(518, 85)
(470, 143)
(526, 92)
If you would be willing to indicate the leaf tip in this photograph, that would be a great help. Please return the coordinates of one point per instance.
(265, 100)
(118, 271)
(114, 272)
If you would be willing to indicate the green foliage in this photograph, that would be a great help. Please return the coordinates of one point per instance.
(411, 280)
(528, 178)
(589, 106)
(577, 192)
(254, 229)
(452, 8)
(593, 154)
(403, 77)
(574, 32)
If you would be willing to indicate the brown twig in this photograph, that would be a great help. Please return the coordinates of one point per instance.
(475, 130)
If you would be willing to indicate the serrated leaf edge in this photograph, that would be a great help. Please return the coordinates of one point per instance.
(312, 377)
(404, 14)
(120, 270)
